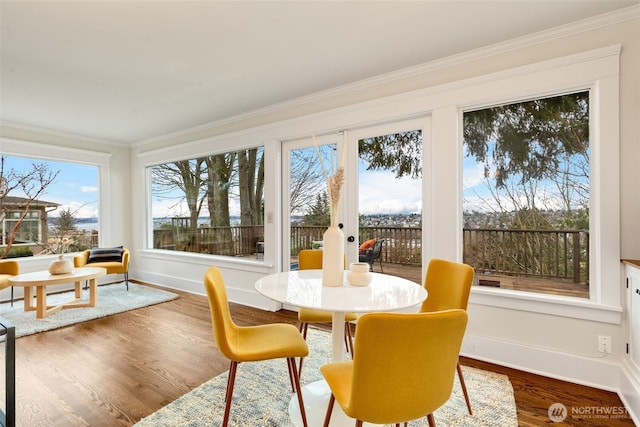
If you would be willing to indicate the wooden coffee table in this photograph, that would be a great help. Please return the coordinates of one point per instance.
(41, 279)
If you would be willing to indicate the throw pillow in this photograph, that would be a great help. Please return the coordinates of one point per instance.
(366, 246)
(105, 255)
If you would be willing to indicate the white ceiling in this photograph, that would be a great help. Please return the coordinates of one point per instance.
(127, 71)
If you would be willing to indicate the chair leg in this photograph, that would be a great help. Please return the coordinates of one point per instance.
(12, 296)
(327, 417)
(230, 382)
(126, 279)
(381, 270)
(464, 388)
(348, 336)
(293, 386)
(304, 326)
(432, 420)
(291, 361)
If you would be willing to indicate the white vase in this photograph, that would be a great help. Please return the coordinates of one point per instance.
(60, 266)
(333, 257)
(359, 274)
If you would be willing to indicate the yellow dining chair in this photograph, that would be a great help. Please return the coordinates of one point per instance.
(251, 343)
(448, 285)
(8, 269)
(403, 367)
(311, 259)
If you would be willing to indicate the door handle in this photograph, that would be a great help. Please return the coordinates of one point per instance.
(351, 239)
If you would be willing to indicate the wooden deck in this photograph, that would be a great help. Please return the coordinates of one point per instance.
(414, 273)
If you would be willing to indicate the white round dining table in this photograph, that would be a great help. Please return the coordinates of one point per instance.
(303, 288)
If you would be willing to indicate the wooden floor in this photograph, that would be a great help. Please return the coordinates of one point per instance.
(116, 370)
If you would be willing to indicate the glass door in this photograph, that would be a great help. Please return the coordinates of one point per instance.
(381, 200)
(385, 203)
(304, 189)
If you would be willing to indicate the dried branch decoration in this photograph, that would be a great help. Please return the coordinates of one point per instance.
(335, 180)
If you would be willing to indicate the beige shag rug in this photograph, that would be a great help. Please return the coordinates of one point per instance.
(262, 394)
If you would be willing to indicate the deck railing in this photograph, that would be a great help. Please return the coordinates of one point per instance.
(552, 254)
(549, 254)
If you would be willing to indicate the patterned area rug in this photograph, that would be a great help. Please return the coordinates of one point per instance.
(112, 299)
(262, 394)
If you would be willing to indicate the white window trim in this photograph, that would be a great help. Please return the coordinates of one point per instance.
(34, 150)
(597, 71)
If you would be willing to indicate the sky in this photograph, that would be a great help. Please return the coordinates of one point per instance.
(75, 188)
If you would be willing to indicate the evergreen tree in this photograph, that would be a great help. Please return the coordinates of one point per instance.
(318, 214)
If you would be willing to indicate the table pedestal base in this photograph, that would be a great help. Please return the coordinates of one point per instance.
(316, 399)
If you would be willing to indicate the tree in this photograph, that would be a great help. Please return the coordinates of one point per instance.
(185, 175)
(219, 170)
(531, 138)
(400, 152)
(60, 240)
(251, 186)
(32, 183)
(306, 180)
(318, 214)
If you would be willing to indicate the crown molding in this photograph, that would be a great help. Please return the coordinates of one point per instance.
(577, 27)
(60, 134)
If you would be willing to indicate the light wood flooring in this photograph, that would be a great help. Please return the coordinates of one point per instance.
(115, 370)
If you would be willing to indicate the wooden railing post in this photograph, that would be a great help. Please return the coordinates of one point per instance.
(576, 257)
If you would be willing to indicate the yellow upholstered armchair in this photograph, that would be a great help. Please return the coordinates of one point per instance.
(403, 367)
(8, 269)
(115, 260)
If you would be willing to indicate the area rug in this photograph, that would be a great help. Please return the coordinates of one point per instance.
(262, 394)
(112, 299)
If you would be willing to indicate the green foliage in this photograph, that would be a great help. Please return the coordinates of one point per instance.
(400, 152)
(574, 220)
(66, 221)
(530, 137)
(318, 214)
(531, 219)
(19, 252)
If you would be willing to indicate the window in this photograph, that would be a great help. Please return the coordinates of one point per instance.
(47, 206)
(26, 225)
(211, 205)
(526, 175)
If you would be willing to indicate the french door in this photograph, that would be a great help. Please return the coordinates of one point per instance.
(382, 197)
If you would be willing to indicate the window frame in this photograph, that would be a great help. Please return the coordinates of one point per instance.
(57, 153)
(597, 72)
(160, 160)
(8, 224)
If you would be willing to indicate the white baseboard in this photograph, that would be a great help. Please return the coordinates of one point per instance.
(245, 297)
(630, 389)
(621, 378)
(591, 372)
